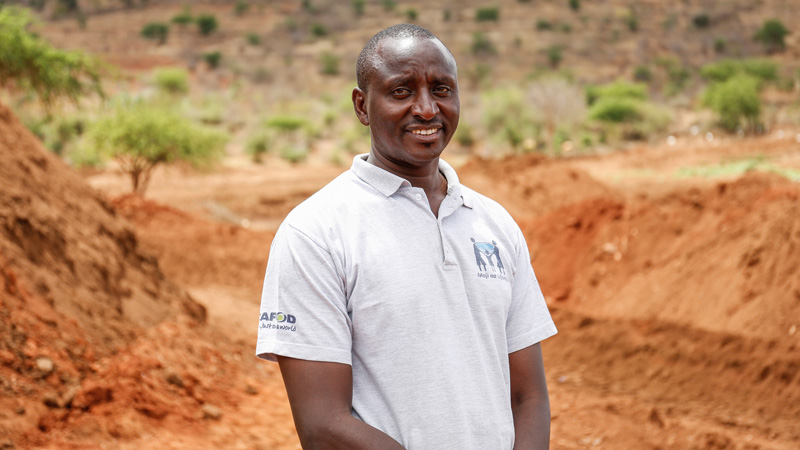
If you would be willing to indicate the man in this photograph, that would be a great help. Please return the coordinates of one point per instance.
(387, 335)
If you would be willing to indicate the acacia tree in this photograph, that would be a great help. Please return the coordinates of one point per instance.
(772, 34)
(29, 63)
(141, 137)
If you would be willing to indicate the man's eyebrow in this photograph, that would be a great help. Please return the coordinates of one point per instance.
(399, 79)
(406, 79)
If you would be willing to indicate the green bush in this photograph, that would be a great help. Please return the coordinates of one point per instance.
(772, 34)
(253, 39)
(293, 136)
(487, 14)
(632, 22)
(31, 64)
(241, 7)
(616, 110)
(388, 5)
(330, 63)
(411, 14)
(358, 7)
(619, 89)
(575, 5)
(626, 108)
(258, 145)
(542, 24)
(701, 21)
(643, 74)
(446, 15)
(720, 44)
(156, 31)
(207, 24)
(482, 45)
(635, 119)
(764, 70)
(142, 137)
(721, 70)
(172, 80)
(287, 124)
(318, 30)
(678, 77)
(212, 59)
(554, 55)
(184, 18)
(736, 101)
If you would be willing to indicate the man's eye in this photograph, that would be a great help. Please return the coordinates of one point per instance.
(442, 90)
(401, 91)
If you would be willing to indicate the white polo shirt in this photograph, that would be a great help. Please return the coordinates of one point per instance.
(425, 310)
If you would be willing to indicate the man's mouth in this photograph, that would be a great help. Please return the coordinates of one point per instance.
(425, 132)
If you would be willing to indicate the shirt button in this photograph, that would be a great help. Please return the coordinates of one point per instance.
(418, 196)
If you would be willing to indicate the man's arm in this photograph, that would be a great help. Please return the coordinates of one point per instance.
(321, 394)
(530, 403)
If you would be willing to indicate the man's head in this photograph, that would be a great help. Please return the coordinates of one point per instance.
(407, 94)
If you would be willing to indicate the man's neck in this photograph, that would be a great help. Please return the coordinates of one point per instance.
(426, 177)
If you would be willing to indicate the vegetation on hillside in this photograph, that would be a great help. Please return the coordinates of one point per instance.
(140, 137)
(29, 63)
(546, 100)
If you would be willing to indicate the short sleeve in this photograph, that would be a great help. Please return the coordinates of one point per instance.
(528, 319)
(303, 306)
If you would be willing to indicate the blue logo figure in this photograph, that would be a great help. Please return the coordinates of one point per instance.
(478, 258)
(488, 250)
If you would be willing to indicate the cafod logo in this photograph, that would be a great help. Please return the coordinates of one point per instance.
(278, 321)
(278, 317)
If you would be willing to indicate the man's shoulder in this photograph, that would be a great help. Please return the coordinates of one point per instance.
(484, 203)
(337, 203)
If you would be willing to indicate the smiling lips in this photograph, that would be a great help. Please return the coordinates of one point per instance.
(427, 132)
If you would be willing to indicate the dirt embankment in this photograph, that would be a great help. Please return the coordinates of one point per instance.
(688, 300)
(75, 289)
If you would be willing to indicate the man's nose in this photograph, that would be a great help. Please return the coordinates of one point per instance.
(425, 106)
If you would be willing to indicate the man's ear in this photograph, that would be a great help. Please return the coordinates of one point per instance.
(360, 106)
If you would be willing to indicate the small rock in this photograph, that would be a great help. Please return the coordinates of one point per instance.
(45, 364)
(211, 412)
(6, 445)
(250, 389)
(69, 396)
(51, 400)
(655, 417)
(175, 379)
(609, 247)
(20, 410)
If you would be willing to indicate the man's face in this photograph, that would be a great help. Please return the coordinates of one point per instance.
(411, 101)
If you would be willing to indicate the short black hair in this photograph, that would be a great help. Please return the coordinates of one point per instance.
(366, 59)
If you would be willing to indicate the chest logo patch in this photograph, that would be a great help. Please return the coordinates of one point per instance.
(491, 252)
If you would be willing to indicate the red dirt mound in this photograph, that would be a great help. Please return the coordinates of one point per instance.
(532, 185)
(725, 258)
(74, 282)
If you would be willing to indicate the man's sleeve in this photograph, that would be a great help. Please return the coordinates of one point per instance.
(303, 306)
(528, 320)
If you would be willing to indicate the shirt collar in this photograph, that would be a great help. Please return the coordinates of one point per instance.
(388, 183)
